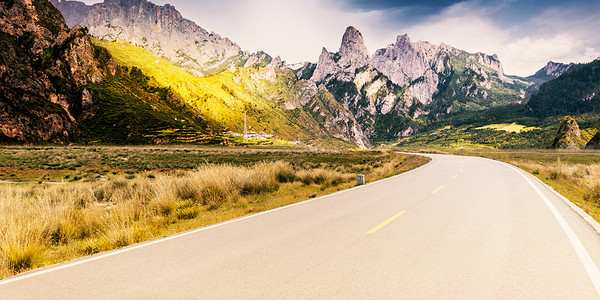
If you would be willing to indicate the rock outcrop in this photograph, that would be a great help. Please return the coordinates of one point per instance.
(568, 135)
(343, 64)
(594, 143)
(550, 71)
(163, 31)
(376, 103)
(42, 66)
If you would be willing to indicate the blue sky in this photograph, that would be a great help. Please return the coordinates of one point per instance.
(524, 33)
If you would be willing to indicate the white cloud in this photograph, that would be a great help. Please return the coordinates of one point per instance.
(528, 53)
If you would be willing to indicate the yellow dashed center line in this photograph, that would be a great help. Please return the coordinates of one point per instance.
(388, 221)
(455, 176)
(438, 189)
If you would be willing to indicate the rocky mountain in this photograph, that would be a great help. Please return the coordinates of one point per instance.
(42, 66)
(227, 83)
(568, 135)
(161, 30)
(551, 71)
(58, 86)
(391, 90)
(575, 91)
(273, 100)
(304, 70)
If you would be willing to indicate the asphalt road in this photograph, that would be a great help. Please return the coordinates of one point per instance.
(459, 227)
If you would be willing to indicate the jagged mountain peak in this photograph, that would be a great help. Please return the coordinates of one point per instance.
(353, 51)
(352, 55)
(402, 40)
(353, 42)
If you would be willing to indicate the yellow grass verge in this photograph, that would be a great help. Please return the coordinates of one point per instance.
(43, 224)
(579, 183)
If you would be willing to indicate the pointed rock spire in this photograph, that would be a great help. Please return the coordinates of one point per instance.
(353, 43)
(353, 52)
(403, 40)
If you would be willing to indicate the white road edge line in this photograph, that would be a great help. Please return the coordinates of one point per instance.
(584, 256)
(84, 260)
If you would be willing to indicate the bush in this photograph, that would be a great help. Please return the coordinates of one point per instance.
(284, 172)
(188, 213)
(258, 183)
(592, 193)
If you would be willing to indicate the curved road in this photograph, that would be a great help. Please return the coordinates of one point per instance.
(459, 227)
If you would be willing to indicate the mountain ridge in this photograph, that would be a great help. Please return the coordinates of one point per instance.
(399, 88)
(163, 31)
(349, 95)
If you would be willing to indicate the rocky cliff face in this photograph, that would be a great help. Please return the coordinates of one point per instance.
(361, 89)
(324, 113)
(406, 80)
(423, 67)
(163, 31)
(42, 65)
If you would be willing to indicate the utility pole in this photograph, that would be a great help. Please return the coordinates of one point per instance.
(245, 130)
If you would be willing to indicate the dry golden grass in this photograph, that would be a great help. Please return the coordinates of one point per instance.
(44, 224)
(578, 182)
(573, 174)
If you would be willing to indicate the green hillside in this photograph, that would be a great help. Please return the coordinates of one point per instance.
(576, 91)
(467, 90)
(224, 98)
(128, 109)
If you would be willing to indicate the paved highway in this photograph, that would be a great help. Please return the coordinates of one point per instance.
(459, 227)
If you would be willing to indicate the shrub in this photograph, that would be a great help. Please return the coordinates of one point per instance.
(21, 257)
(322, 176)
(188, 213)
(21, 246)
(284, 172)
(258, 183)
(592, 193)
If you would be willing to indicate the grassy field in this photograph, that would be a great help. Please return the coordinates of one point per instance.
(574, 174)
(513, 127)
(59, 203)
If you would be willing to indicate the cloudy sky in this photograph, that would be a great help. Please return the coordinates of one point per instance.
(525, 34)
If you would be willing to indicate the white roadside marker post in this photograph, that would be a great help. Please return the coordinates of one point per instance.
(360, 179)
